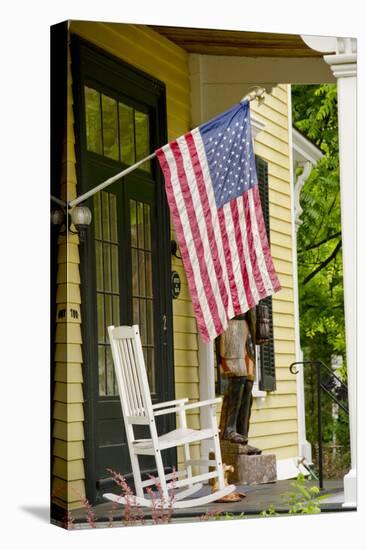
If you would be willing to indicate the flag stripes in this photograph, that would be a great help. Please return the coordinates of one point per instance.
(225, 250)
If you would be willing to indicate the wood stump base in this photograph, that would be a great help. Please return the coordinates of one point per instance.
(248, 469)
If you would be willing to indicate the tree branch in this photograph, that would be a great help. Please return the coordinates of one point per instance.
(323, 264)
(311, 247)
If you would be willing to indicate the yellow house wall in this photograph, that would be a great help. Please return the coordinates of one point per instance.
(274, 418)
(153, 54)
(68, 472)
(274, 426)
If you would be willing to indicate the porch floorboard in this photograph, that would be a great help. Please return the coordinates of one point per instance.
(259, 497)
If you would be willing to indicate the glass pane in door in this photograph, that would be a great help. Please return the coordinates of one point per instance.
(142, 285)
(107, 278)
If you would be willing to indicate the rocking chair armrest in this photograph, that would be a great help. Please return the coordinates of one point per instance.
(206, 403)
(184, 407)
(170, 403)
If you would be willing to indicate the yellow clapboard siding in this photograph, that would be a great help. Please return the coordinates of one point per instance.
(282, 266)
(68, 252)
(281, 226)
(281, 253)
(72, 491)
(186, 374)
(68, 293)
(183, 307)
(283, 240)
(262, 429)
(277, 119)
(282, 199)
(282, 307)
(68, 450)
(280, 213)
(280, 92)
(184, 341)
(284, 360)
(164, 45)
(284, 333)
(273, 401)
(68, 332)
(272, 146)
(276, 104)
(273, 442)
(68, 470)
(187, 390)
(68, 172)
(287, 281)
(286, 387)
(283, 373)
(283, 320)
(70, 149)
(285, 294)
(68, 353)
(68, 412)
(193, 421)
(279, 185)
(68, 393)
(185, 357)
(285, 452)
(68, 372)
(273, 415)
(68, 273)
(184, 324)
(280, 172)
(68, 431)
(164, 51)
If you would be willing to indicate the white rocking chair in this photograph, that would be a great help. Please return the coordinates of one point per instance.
(137, 408)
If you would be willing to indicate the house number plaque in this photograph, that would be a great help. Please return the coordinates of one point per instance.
(175, 284)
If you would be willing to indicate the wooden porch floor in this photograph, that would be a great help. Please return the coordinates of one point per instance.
(259, 497)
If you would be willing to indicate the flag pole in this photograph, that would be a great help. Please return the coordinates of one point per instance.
(257, 93)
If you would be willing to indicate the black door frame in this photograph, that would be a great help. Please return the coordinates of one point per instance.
(145, 89)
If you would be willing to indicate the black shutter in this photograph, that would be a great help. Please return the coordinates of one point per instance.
(267, 380)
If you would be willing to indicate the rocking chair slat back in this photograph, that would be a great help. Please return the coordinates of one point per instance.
(130, 372)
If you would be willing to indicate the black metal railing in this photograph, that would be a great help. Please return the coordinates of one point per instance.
(335, 389)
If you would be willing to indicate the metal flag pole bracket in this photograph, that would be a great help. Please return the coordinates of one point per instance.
(257, 93)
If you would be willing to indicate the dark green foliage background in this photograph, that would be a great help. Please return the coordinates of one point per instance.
(319, 248)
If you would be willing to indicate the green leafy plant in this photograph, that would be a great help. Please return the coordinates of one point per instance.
(303, 499)
(270, 512)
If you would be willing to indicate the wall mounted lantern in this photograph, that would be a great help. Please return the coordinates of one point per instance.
(79, 216)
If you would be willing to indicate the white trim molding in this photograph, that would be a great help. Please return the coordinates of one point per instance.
(343, 64)
(306, 155)
(300, 150)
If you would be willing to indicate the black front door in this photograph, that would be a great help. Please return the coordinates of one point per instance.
(125, 262)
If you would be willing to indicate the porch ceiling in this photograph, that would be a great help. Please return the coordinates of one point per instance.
(237, 43)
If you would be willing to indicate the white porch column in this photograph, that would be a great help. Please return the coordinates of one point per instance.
(344, 67)
(207, 388)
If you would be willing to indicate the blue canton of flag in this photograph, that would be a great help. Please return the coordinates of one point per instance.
(229, 150)
(212, 191)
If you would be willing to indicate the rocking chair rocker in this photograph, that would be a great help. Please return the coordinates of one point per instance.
(137, 408)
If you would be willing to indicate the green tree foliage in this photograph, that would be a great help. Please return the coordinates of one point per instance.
(319, 244)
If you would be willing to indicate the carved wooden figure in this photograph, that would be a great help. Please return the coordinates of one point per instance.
(237, 360)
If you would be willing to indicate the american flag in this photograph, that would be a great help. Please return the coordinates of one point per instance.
(212, 190)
